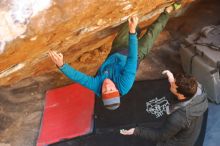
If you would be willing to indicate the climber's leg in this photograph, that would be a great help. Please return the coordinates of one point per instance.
(146, 42)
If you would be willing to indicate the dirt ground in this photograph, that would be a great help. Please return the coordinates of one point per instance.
(21, 105)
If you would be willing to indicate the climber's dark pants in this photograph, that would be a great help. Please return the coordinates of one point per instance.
(145, 43)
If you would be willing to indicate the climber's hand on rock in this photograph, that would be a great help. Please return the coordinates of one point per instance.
(57, 58)
(133, 21)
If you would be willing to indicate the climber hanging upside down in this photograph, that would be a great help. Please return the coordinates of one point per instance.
(117, 74)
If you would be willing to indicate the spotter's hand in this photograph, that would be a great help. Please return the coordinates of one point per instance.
(127, 132)
(169, 75)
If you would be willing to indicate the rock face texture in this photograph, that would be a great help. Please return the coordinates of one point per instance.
(82, 30)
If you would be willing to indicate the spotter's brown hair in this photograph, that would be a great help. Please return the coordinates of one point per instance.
(187, 85)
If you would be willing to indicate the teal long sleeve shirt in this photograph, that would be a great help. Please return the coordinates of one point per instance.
(119, 68)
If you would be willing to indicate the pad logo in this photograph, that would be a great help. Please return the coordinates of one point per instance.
(157, 107)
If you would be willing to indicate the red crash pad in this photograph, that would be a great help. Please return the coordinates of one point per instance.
(68, 113)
